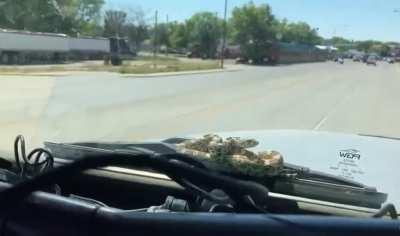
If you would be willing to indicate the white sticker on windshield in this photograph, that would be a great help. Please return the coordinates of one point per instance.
(348, 164)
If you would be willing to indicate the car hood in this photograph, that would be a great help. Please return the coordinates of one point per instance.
(370, 160)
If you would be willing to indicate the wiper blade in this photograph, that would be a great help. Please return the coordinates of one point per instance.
(322, 186)
(308, 174)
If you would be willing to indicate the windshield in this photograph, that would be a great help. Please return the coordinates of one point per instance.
(134, 71)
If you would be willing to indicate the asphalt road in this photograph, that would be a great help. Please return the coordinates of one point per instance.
(350, 98)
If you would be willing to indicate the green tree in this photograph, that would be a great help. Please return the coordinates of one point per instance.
(80, 16)
(35, 15)
(380, 48)
(254, 29)
(114, 23)
(204, 30)
(136, 34)
(163, 35)
(299, 32)
(136, 29)
(384, 50)
(365, 45)
(62, 16)
(179, 35)
(337, 41)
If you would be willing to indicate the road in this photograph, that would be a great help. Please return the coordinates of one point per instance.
(351, 98)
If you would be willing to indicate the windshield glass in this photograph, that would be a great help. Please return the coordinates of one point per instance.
(285, 73)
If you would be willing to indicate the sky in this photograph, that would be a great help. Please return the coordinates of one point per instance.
(352, 19)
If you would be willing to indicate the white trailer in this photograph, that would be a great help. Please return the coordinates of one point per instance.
(89, 44)
(88, 48)
(23, 46)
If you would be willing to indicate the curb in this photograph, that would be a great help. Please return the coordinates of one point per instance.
(166, 74)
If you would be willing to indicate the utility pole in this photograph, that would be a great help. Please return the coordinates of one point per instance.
(167, 29)
(224, 36)
(155, 49)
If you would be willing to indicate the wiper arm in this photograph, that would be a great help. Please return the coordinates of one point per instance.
(308, 174)
(304, 182)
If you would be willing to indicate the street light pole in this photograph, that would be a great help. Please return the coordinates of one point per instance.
(155, 49)
(167, 29)
(224, 36)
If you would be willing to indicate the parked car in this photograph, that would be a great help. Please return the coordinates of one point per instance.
(371, 60)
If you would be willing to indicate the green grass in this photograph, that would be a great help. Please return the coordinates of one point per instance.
(166, 67)
(158, 59)
(141, 65)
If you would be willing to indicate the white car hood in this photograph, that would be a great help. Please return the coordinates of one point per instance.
(372, 161)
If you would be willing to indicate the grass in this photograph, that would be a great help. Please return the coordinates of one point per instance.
(158, 58)
(149, 68)
(141, 65)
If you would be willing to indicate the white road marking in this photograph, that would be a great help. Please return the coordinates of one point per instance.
(321, 122)
(332, 111)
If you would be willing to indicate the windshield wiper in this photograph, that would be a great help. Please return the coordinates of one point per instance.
(306, 173)
(304, 182)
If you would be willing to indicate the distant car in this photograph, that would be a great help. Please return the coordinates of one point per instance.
(241, 60)
(364, 59)
(340, 60)
(390, 60)
(371, 61)
(356, 59)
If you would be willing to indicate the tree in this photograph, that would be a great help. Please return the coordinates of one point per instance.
(62, 16)
(136, 34)
(35, 15)
(337, 41)
(136, 29)
(179, 36)
(365, 45)
(254, 29)
(299, 32)
(204, 30)
(83, 16)
(163, 37)
(384, 50)
(380, 48)
(114, 23)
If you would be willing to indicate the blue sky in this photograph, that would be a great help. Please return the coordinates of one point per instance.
(353, 19)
